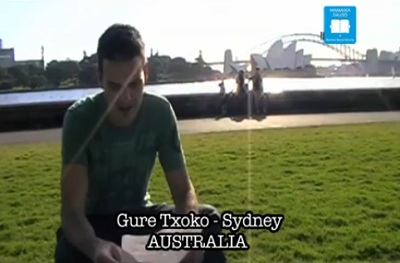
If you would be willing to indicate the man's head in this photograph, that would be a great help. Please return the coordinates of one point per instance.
(122, 71)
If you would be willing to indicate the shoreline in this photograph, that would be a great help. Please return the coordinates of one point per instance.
(197, 126)
(318, 77)
(27, 89)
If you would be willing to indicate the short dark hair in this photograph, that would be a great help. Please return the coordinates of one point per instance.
(119, 42)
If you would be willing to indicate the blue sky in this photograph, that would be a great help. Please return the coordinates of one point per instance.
(183, 27)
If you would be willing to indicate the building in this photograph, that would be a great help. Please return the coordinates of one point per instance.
(279, 58)
(283, 62)
(384, 63)
(7, 58)
(32, 62)
(231, 67)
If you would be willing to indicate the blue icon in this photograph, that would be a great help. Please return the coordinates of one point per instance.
(340, 25)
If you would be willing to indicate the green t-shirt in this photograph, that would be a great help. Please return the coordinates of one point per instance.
(120, 160)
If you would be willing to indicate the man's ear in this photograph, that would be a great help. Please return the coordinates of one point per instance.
(99, 78)
(146, 71)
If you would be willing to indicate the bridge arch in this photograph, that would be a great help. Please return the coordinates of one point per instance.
(271, 40)
(346, 51)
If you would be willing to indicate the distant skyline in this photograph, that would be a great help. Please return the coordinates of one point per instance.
(182, 28)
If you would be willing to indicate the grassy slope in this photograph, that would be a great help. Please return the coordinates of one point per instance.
(338, 187)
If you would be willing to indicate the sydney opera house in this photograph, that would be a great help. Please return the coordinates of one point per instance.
(287, 62)
(279, 61)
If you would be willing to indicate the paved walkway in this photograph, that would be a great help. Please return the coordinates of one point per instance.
(227, 124)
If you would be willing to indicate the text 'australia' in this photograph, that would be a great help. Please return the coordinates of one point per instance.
(178, 241)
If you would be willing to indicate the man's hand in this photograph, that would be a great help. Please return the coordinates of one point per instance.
(107, 252)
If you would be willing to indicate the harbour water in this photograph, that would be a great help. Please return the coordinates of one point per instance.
(271, 85)
(277, 85)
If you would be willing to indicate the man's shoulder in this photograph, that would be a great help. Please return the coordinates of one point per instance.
(85, 112)
(87, 105)
(156, 101)
(158, 110)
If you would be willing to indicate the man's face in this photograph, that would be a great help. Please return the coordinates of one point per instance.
(123, 84)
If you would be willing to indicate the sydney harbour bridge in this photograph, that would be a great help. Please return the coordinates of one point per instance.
(368, 63)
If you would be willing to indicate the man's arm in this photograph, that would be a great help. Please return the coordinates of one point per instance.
(172, 159)
(74, 186)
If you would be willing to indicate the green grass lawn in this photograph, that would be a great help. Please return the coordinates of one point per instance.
(338, 187)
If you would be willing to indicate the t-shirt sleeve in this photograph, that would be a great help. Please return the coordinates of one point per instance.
(74, 140)
(170, 152)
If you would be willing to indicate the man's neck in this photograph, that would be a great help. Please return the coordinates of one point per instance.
(115, 122)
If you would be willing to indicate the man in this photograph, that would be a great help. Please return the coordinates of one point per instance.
(222, 89)
(258, 90)
(240, 81)
(109, 145)
(225, 98)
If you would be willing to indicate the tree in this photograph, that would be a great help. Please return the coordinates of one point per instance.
(84, 73)
(58, 71)
(34, 70)
(88, 75)
(19, 76)
(3, 73)
(37, 81)
(6, 85)
(178, 65)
